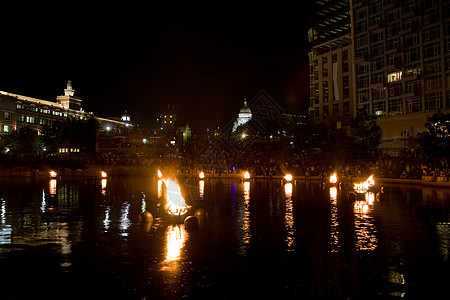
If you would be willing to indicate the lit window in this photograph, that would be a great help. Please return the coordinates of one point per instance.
(394, 76)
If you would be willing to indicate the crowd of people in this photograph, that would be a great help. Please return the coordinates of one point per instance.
(266, 160)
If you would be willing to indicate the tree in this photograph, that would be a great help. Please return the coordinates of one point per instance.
(82, 133)
(25, 141)
(436, 140)
(366, 137)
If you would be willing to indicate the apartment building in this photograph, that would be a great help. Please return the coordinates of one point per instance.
(401, 62)
(389, 59)
(330, 62)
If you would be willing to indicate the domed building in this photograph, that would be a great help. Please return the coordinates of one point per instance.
(245, 115)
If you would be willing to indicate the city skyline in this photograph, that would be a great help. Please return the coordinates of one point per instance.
(203, 62)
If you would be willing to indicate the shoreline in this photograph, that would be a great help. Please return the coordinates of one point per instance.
(93, 171)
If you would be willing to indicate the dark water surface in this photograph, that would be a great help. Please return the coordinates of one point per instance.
(77, 240)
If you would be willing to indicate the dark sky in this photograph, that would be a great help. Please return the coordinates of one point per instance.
(204, 60)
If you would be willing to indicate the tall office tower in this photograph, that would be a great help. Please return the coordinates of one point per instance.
(330, 62)
(402, 62)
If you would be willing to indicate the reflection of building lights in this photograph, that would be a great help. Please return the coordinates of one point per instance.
(124, 219)
(107, 219)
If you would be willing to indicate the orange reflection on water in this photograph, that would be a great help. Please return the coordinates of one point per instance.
(160, 190)
(201, 188)
(366, 232)
(334, 230)
(289, 217)
(52, 186)
(246, 219)
(176, 236)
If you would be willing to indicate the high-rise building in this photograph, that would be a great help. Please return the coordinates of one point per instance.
(398, 69)
(402, 62)
(330, 62)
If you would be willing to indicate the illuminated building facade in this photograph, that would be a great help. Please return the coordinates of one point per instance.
(330, 63)
(245, 115)
(402, 62)
(398, 63)
(17, 111)
(168, 119)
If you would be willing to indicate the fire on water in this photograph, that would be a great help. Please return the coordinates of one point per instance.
(175, 204)
(333, 178)
(363, 187)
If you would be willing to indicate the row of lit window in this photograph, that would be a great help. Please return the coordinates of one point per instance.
(33, 120)
(46, 111)
(67, 150)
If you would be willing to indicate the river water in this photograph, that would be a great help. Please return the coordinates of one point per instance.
(81, 239)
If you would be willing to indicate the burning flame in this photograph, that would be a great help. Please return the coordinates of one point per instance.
(175, 205)
(201, 175)
(246, 175)
(333, 178)
(52, 174)
(160, 175)
(288, 177)
(363, 187)
(103, 174)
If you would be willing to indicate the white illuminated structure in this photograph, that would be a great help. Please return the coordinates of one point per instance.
(245, 115)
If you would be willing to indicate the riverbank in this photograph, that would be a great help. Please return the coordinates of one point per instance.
(94, 171)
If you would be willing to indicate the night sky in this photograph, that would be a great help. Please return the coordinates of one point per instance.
(204, 60)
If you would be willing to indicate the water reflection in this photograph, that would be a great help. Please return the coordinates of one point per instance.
(107, 219)
(243, 217)
(289, 218)
(201, 188)
(443, 232)
(365, 230)
(176, 236)
(5, 228)
(160, 188)
(302, 219)
(52, 186)
(104, 184)
(124, 222)
(334, 230)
